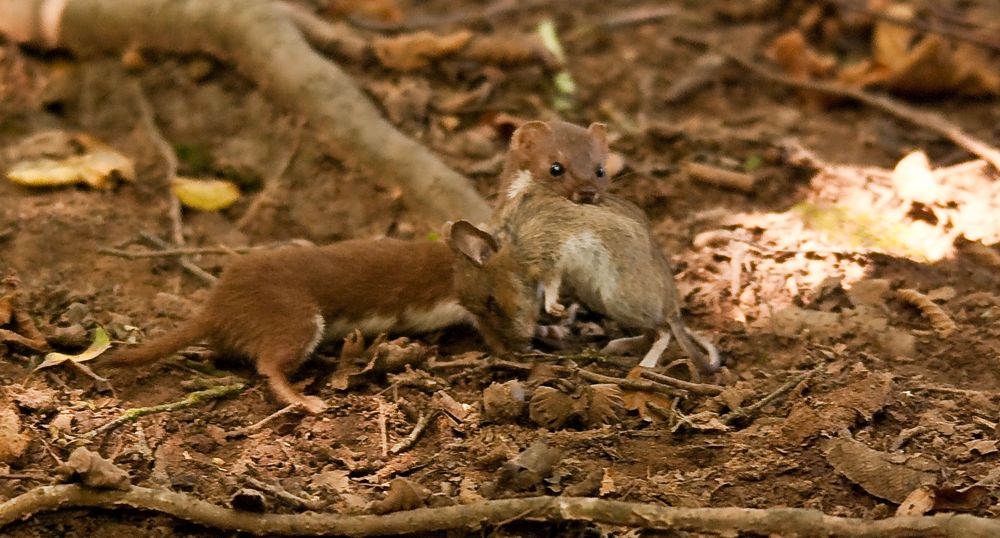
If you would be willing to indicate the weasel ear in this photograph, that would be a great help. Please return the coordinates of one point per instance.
(469, 241)
(529, 134)
(599, 132)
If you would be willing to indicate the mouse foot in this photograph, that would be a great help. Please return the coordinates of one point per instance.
(555, 309)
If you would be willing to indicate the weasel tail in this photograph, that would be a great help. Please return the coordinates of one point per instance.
(189, 332)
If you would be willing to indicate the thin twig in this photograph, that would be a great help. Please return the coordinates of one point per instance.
(247, 430)
(728, 520)
(282, 494)
(744, 414)
(382, 430)
(275, 183)
(411, 439)
(196, 251)
(187, 264)
(697, 388)
(191, 400)
(921, 118)
(148, 119)
(643, 385)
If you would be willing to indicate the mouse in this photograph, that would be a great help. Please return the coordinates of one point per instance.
(600, 248)
(276, 306)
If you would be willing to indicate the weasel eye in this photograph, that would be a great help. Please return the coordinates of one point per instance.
(556, 169)
(492, 305)
(599, 171)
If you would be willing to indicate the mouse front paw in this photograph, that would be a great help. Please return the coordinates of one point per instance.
(313, 404)
(555, 308)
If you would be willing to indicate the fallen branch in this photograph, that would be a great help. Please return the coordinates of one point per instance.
(191, 400)
(282, 494)
(262, 40)
(784, 521)
(720, 177)
(921, 118)
(643, 385)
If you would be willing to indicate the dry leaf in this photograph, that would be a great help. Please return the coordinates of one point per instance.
(881, 474)
(550, 407)
(982, 447)
(387, 11)
(12, 441)
(918, 502)
(99, 345)
(380, 358)
(640, 401)
(205, 194)
(96, 168)
(840, 409)
(505, 401)
(93, 470)
(414, 51)
(404, 494)
(528, 469)
(604, 405)
(607, 484)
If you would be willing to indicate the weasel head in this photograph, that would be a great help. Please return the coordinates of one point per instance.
(561, 157)
(493, 286)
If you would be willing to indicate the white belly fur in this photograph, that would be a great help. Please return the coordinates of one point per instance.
(412, 320)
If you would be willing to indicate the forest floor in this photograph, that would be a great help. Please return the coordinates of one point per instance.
(796, 278)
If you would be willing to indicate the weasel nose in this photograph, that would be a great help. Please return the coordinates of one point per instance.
(585, 195)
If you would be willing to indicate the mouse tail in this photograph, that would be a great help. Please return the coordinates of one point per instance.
(161, 346)
(704, 353)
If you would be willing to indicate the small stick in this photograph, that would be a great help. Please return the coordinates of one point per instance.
(383, 433)
(453, 17)
(955, 390)
(720, 177)
(191, 400)
(247, 430)
(697, 388)
(643, 385)
(275, 183)
(747, 413)
(410, 440)
(186, 263)
(197, 251)
(282, 494)
(940, 321)
(921, 118)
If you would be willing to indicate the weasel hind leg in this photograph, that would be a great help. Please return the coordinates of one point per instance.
(281, 358)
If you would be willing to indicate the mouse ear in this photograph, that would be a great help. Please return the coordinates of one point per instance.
(529, 134)
(599, 132)
(469, 241)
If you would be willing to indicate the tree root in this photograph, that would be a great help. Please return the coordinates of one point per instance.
(800, 521)
(266, 45)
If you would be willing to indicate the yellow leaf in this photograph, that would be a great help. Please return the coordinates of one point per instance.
(205, 194)
(100, 344)
(95, 168)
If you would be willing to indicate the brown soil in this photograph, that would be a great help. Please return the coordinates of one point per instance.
(775, 286)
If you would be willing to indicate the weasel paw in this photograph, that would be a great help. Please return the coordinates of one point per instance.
(313, 404)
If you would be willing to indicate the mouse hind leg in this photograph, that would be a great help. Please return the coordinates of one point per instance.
(282, 355)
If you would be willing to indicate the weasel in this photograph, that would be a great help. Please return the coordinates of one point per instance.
(277, 306)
